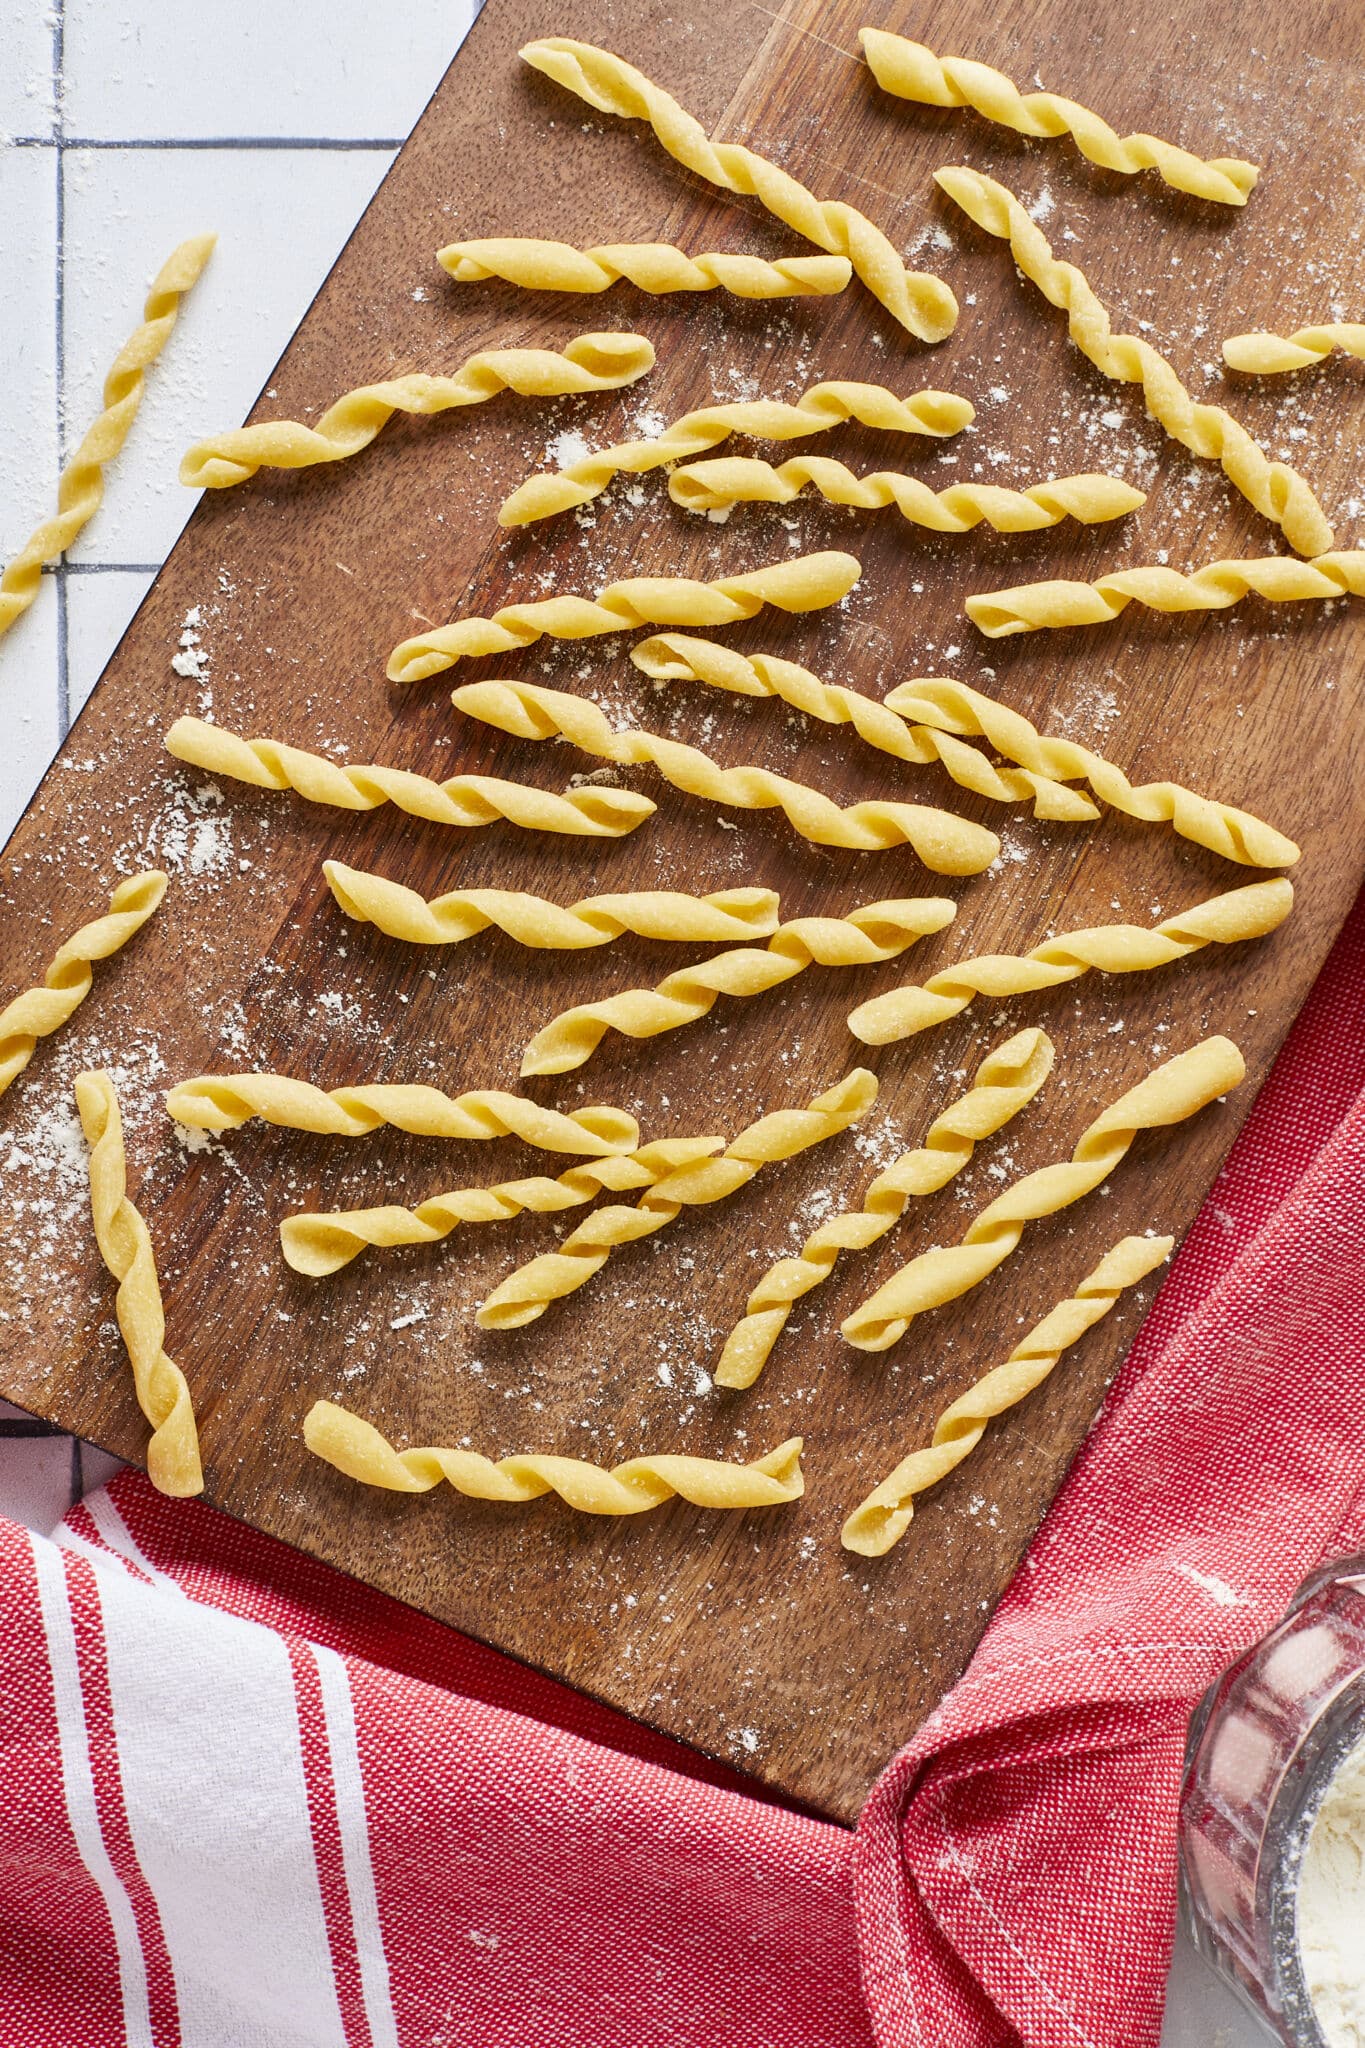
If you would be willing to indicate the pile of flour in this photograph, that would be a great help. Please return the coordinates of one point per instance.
(1332, 1908)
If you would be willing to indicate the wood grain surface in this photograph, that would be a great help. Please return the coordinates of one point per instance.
(756, 1638)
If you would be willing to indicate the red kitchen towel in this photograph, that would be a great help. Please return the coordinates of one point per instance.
(247, 1801)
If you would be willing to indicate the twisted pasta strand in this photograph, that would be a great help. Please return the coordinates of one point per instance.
(1247, 913)
(1270, 355)
(952, 706)
(1175, 1090)
(319, 1243)
(528, 1292)
(671, 657)
(944, 842)
(67, 979)
(590, 362)
(463, 800)
(912, 72)
(1213, 588)
(806, 584)
(162, 1394)
(223, 1102)
(734, 479)
(532, 921)
(1277, 492)
(356, 1448)
(653, 266)
(81, 485)
(883, 1518)
(936, 414)
(919, 302)
(1005, 1082)
(879, 931)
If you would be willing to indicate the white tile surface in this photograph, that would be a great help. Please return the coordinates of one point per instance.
(29, 732)
(98, 609)
(28, 340)
(306, 68)
(26, 68)
(281, 217)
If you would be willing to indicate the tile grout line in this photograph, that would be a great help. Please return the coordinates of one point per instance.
(263, 142)
(59, 141)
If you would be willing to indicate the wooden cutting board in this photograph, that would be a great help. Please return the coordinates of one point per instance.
(756, 1638)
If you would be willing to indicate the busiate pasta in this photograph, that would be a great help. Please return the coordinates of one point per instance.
(1175, 1090)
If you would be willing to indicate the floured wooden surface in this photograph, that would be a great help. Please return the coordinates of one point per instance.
(757, 1638)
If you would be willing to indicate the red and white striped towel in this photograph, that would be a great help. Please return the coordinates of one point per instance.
(246, 1802)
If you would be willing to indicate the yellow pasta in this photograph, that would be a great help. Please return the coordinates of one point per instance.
(590, 362)
(653, 266)
(883, 1518)
(672, 657)
(952, 707)
(532, 921)
(67, 979)
(223, 1102)
(912, 72)
(919, 302)
(735, 479)
(1278, 578)
(808, 583)
(357, 1449)
(528, 1292)
(1005, 1082)
(948, 844)
(317, 1243)
(1277, 492)
(162, 1395)
(929, 719)
(1270, 355)
(879, 931)
(81, 486)
(1175, 1090)
(1246, 913)
(936, 414)
(463, 800)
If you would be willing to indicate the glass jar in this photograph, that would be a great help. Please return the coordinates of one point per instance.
(1264, 1745)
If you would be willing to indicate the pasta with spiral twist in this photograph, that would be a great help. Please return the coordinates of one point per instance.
(1247, 913)
(946, 843)
(883, 1518)
(67, 980)
(467, 801)
(921, 303)
(1278, 493)
(527, 1293)
(1175, 1090)
(357, 1448)
(912, 72)
(223, 1102)
(590, 362)
(1005, 1082)
(80, 489)
(940, 702)
(533, 921)
(125, 1246)
(1270, 355)
(1278, 578)
(808, 583)
(936, 414)
(735, 479)
(930, 718)
(673, 657)
(865, 937)
(317, 1243)
(653, 266)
